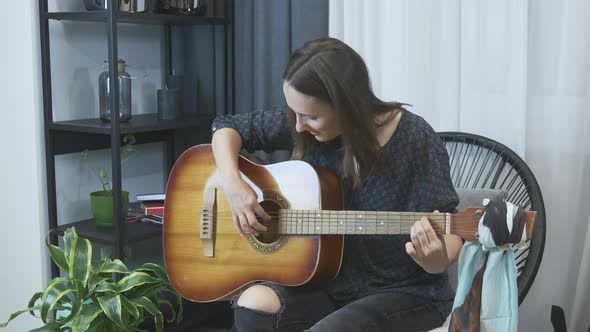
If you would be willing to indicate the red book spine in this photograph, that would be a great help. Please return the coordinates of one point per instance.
(150, 208)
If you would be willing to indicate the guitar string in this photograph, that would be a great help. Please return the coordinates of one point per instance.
(374, 216)
(407, 216)
(403, 224)
(299, 229)
(306, 225)
(350, 212)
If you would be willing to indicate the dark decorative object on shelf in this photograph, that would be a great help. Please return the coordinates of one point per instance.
(132, 6)
(170, 99)
(190, 7)
(169, 104)
(96, 4)
(175, 82)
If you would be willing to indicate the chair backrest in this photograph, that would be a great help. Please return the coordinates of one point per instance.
(481, 163)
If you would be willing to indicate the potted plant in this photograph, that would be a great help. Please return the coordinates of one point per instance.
(101, 202)
(92, 298)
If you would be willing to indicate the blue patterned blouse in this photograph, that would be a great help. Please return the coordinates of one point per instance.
(416, 179)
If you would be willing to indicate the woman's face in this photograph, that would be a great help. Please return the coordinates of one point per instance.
(312, 114)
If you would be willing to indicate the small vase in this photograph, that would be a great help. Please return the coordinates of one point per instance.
(101, 203)
(104, 94)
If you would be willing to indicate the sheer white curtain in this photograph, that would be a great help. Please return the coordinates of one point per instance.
(516, 71)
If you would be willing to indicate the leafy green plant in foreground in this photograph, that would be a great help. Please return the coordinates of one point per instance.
(91, 296)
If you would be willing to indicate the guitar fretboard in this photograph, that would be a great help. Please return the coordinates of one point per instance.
(318, 222)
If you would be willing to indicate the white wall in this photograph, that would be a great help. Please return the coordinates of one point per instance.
(22, 256)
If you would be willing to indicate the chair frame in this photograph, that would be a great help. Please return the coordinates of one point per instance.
(522, 187)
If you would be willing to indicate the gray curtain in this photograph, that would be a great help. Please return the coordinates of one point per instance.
(266, 32)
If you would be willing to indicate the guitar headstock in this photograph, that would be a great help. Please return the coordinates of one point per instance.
(464, 223)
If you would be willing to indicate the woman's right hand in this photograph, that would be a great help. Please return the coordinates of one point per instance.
(244, 205)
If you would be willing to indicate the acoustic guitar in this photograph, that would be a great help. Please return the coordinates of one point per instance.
(207, 260)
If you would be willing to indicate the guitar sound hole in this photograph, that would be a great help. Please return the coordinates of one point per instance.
(272, 233)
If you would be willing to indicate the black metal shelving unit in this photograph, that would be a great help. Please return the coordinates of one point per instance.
(63, 137)
(137, 18)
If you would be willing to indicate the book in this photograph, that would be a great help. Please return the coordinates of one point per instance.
(151, 197)
(152, 207)
(136, 213)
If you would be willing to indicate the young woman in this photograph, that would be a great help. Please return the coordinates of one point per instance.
(388, 159)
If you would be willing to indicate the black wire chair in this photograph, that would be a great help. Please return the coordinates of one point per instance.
(478, 162)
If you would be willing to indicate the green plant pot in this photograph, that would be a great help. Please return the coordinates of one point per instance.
(101, 203)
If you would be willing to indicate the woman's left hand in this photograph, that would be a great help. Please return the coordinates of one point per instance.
(427, 249)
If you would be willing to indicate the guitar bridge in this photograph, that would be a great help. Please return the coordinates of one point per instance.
(207, 224)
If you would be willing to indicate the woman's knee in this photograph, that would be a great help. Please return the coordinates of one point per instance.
(261, 298)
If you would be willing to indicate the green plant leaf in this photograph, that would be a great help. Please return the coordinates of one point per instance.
(148, 289)
(50, 327)
(32, 301)
(179, 303)
(152, 309)
(111, 305)
(152, 291)
(154, 270)
(103, 175)
(115, 266)
(131, 308)
(18, 313)
(69, 236)
(95, 280)
(97, 265)
(57, 254)
(82, 321)
(107, 287)
(136, 279)
(172, 310)
(56, 290)
(128, 143)
(74, 307)
(101, 323)
(129, 139)
(80, 257)
(80, 290)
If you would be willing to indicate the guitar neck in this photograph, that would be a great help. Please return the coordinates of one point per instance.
(319, 222)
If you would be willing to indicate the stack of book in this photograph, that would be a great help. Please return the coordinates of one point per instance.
(148, 208)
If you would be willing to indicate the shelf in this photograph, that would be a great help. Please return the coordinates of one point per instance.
(136, 18)
(134, 232)
(138, 124)
(172, 136)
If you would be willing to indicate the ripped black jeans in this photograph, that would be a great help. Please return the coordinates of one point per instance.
(313, 310)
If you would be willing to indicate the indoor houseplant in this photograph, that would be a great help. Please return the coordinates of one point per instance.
(101, 202)
(100, 295)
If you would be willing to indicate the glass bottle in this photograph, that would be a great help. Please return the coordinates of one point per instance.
(104, 95)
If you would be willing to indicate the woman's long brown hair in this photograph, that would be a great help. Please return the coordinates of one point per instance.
(332, 71)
